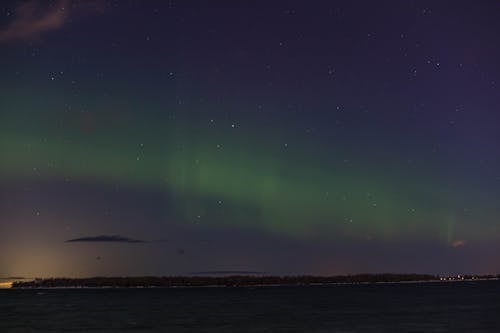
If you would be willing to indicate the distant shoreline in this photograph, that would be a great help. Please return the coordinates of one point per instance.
(236, 281)
(250, 286)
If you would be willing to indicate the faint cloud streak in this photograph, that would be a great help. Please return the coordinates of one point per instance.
(458, 243)
(31, 20)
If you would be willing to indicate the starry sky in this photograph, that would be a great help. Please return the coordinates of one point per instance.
(292, 137)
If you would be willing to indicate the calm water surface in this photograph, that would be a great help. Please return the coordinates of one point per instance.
(425, 307)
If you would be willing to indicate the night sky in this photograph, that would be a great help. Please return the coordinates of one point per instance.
(294, 137)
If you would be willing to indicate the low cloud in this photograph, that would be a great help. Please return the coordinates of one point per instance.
(32, 18)
(105, 238)
(228, 273)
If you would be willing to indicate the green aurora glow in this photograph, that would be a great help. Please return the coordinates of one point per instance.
(292, 187)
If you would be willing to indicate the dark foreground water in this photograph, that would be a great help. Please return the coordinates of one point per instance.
(423, 307)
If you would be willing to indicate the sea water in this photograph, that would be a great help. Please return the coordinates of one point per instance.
(398, 307)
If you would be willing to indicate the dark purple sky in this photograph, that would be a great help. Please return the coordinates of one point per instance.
(298, 137)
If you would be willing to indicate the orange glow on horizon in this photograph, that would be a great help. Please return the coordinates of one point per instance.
(6, 285)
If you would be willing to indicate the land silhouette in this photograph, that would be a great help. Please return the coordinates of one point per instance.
(235, 280)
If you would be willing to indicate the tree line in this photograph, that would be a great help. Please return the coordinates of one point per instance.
(234, 280)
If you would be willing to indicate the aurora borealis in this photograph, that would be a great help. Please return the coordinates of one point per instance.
(292, 138)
